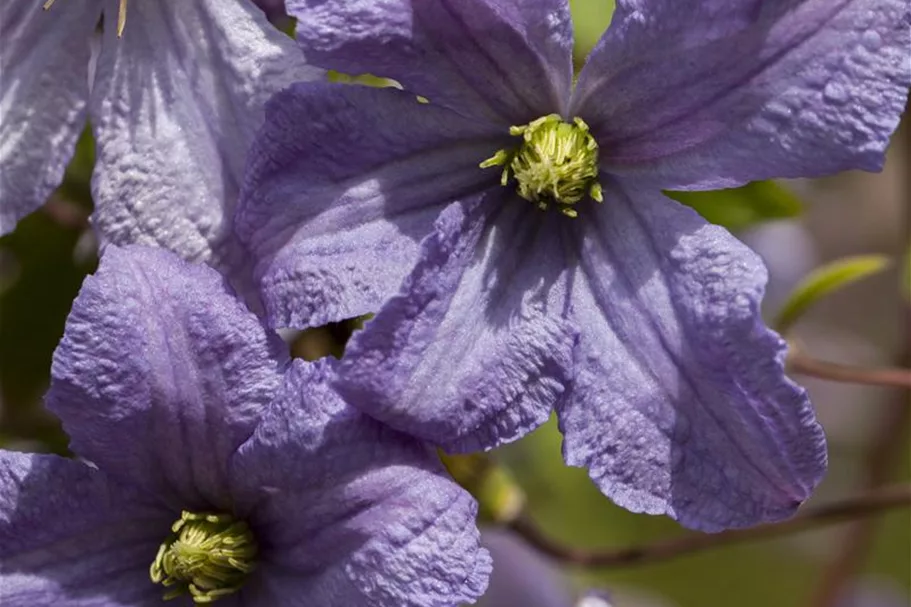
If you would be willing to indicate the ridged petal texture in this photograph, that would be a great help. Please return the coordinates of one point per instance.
(700, 95)
(44, 90)
(637, 322)
(482, 58)
(182, 400)
(176, 103)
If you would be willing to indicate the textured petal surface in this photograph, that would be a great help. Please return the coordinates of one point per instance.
(343, 183)
(701, 95)
(353, 514)
(176, 104)
(505, 58)
(70, 535)
(473, 351)
(44, 86)
(680, 404)
(161, 375)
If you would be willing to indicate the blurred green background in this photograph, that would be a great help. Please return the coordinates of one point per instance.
(43, 262)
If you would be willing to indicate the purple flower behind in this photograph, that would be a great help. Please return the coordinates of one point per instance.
(873, 592)
(173, 103)
(521, 576)
(188, 411)
(274, 9)
(275, 12)
(632, 318)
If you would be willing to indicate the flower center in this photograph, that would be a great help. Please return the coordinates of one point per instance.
(207, 555)
(121, 15)
(557, 162)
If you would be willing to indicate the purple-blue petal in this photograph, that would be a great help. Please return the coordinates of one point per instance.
(702, 95)
(161, 375)
(361, 515)
(176, 103)
(679, 403)
(473, 351)
(44, 88)
(343, 183)
(70, 535)
(490, 58)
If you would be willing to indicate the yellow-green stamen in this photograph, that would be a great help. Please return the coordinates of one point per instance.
(557, 162)
(207, 556)
(121, 15)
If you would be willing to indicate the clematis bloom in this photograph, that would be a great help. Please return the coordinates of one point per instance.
(219, 469)
(513, 238)
(174, 92)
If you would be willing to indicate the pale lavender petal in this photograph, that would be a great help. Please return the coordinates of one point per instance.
(343, 183)
(70, 535)
(680, 404)
(44, 86)
(161, 375)
(480, 57)
(473, 352)
(176, 103)
(701, 95)
(357, 513)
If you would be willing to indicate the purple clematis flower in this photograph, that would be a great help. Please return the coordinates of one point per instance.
(219, 469)
(544, 270)
(174, 93)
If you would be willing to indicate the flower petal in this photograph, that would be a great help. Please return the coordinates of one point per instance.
(680, 404)
(70, 535)
(480, 57)
(161, 375)
(473, 351)
(359, 514)
(702, 95)
(44, 86)
(176, 104)
(343, 183)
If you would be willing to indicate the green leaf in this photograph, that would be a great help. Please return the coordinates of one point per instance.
(76, 184)
(739, 208)
(824, 280)
(590, 19)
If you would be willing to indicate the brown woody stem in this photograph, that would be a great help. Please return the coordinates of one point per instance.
(798, 362)
(868, 504)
